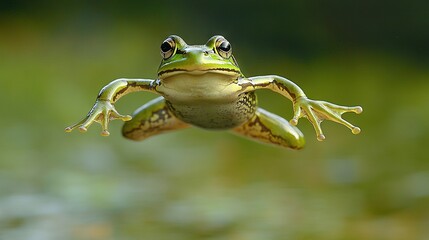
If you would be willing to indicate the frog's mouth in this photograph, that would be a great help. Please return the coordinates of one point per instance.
(175, 71)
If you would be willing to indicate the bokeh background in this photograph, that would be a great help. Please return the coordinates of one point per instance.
(197, 184)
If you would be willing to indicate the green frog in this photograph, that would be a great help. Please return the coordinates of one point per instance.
(203, 86)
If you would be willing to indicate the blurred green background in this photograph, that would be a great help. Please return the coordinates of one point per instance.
(197, 184)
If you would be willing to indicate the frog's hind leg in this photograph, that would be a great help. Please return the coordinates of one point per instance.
(151, 119)
(270, 128)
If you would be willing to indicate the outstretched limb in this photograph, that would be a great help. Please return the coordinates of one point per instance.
(315, 111)
(269, 128)
(103, 109)
(151, 119)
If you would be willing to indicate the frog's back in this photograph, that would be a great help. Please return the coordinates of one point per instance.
(216, 114)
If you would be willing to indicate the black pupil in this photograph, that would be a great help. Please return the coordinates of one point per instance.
(225, 46)
(165, 46)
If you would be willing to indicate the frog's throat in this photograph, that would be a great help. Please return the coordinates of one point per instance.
(174, 71)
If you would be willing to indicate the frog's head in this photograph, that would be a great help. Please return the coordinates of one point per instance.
(213, 57)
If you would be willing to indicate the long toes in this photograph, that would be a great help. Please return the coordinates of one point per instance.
(315, 121)
(342, 109)
(84, 126)
(357, 109)
(354, 129)
(123, 117)
(335, 115)
(296, 115)
(126, 117)
(116, 115)
(104, 124)
(72, 127)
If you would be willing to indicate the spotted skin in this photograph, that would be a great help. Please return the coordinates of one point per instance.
(151, 119)
(269, 128)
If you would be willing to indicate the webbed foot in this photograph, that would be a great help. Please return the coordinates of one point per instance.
(102, 112)
(317, 111)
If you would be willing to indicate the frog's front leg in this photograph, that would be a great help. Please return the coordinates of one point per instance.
(314, 111)
(151, 119)
(269, 128)
(103, 110)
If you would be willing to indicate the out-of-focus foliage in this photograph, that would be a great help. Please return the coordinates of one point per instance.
(196, 184)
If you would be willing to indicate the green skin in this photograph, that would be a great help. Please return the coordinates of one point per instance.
(203, 86)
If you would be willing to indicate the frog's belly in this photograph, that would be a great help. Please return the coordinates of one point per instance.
(215, 114)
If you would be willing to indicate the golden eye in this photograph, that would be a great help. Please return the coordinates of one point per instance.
(168, 48)
(223, 48)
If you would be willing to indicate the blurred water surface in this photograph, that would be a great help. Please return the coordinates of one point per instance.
(197, 184)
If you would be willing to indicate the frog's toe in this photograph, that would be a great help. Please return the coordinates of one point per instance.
(297, 114)
(72, 127)
(343, 109)
(124, 118)
(115, 115)
(104, 121)
(321, 137)
(105, 133)
(358, 109)
(356, 130)
(294, 121)
(315, 120)
(83, 129)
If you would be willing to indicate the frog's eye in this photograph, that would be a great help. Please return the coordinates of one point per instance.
(167, 48)
(223, 48)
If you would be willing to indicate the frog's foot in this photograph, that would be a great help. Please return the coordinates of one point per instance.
(317, 111)
(102, 112)
(151, 119)
(269, 128)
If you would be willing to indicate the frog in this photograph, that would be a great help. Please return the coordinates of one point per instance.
(203, 86)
